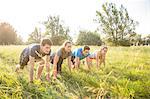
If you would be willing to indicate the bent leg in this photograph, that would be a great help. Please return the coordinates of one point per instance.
(59, 64)
(40, 68)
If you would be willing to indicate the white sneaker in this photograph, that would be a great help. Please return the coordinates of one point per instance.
(17, 68)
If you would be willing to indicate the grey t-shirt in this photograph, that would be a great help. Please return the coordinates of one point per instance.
(62, 53)
(34, 51)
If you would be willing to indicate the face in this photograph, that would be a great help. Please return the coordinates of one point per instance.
(68, 47)
(86, 52)
(46, 48)
(105, 50)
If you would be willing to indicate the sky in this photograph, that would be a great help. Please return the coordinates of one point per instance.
(25, 15)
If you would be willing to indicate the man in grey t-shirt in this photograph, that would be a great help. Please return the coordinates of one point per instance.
(34, 54)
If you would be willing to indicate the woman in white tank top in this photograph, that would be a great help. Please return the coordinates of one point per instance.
(99, 56)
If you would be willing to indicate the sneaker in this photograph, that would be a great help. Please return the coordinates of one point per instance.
(17, 68)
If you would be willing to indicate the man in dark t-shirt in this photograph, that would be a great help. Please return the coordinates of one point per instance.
(36, 53)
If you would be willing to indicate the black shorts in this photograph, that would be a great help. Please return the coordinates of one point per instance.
(24, 58)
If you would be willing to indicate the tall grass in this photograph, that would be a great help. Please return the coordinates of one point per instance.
(126, 75)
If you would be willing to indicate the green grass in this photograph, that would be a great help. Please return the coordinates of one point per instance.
(126, 75)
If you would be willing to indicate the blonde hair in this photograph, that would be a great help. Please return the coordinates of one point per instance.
(103, 47)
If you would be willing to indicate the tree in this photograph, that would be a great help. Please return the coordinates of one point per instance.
(35, 36)
(88, 38)
(56, 30)
(146, 40)
(19, 40)
(7, 34)
(135, 39)
(115, 22)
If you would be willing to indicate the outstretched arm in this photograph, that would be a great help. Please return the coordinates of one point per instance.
(87, 62)
(103, 59)
(48, 67)
(69, 62)
(77, 62)
(97, 59)
(31, 66)
(56, 58)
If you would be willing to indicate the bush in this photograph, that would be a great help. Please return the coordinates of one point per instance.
(124, 42)
(88, 38)
(119, 42)
(58, 40)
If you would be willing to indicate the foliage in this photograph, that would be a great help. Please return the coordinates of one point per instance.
(7, 34)
(88, 38)
(115, 22)
(55, 29)
(35, 36)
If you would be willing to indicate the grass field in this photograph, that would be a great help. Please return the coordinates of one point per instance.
(125, 76)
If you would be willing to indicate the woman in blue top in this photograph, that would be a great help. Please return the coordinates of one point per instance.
(79, 54)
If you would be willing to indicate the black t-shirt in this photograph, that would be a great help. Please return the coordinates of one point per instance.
(35, 52)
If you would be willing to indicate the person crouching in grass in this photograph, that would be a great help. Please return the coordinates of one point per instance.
(34, 54)
(99, 56)
(78, 55)
(58, 58)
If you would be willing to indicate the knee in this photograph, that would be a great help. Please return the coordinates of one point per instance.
(42, 63)
(31, 64)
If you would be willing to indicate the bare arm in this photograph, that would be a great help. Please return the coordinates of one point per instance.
(77, 62)
(69, 62)
(56, 58)
(103, 58)
(97, 59)
(31, 66)
(47, 64)
(87, 62)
